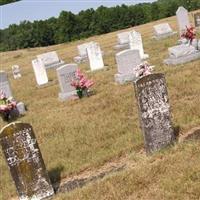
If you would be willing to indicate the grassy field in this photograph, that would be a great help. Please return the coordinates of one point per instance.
(84, 134)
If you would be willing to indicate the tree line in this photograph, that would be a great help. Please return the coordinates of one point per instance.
(68, 26)
(2, 2)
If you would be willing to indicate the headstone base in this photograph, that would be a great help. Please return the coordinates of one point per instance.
(56, 65)
(79, 59)
(145, 56)
(50, 83)
(123, 78)
(67, 96)
(121, 46)
(183, 59)
(163, 36)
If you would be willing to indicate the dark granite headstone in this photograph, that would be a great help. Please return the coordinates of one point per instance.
(154, 112)
(197, 19)
(25, 161)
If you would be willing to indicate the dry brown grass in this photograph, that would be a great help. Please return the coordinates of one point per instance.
(77, 135)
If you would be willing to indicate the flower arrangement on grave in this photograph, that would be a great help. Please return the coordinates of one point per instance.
(82, 84)
(189, 34)
(144, 69)
(7, 105)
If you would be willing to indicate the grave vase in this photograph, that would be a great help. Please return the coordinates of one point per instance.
(79, 93)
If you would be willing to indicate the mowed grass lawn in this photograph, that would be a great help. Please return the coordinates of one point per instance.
(84, 134)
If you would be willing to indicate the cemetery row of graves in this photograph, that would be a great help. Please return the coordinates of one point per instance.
(18, 140)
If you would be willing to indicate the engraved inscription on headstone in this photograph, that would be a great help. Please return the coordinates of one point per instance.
(154, 112)
(66, 74)
(197, 19)
(4, 84)
(25, 161)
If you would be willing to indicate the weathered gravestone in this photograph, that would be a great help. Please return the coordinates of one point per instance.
(50, 60)
(4, 84)
(162, 31)
(154, 112)
(16, 72)
(95, 56)
(66, 74)
(197, 20)
(136, 43)
(25, 161)
(182, 19)
(40, 72)
(127, 62)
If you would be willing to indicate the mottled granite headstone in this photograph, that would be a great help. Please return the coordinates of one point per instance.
(182, 19)
(25, 162)
(197, 19)
(4, 84)
(154, 112)
(65, 75)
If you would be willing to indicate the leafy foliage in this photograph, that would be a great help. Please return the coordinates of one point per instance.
(2, 2)
(68, 26)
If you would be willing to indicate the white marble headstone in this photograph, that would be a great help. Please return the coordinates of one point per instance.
(82, 49)
(49, 58)
(127, 61)
(162, 29)
(182, 19)
(123, 38)
(95, 56)
(66, 74)
(181, 50)
(16, 72)
(136, 43)
(4, 84)
(40, 72)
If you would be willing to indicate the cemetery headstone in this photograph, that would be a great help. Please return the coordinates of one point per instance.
(136, 43)
(50, 60)
(65, 75)
(95, 56)
(40, 72)
(25, 161)
(16, 72)
(154, 112)
(197, 20)
(162, 31)
(182, 19)
(127, 62)
(182, 54)
(122, 40)
(82, 50)
(4, 84)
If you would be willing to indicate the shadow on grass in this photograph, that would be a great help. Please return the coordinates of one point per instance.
(176, 132)
(55, 177)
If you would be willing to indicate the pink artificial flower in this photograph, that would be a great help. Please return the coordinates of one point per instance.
(89, 83)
